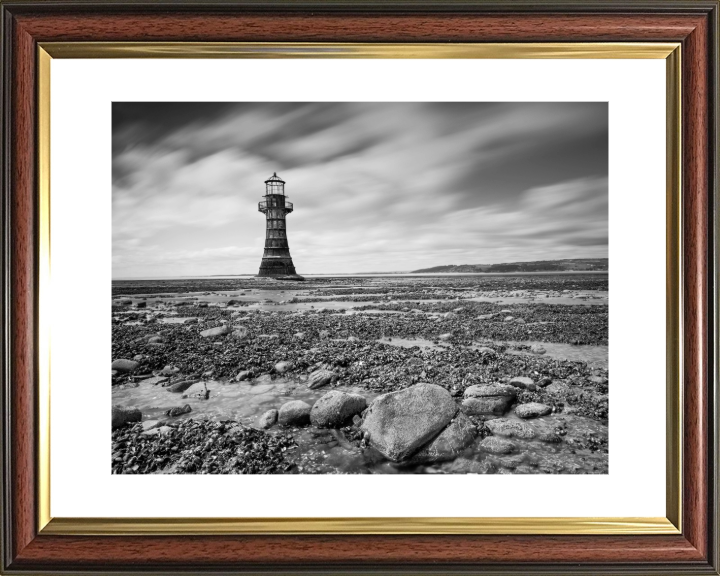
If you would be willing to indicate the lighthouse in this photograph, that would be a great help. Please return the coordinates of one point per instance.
(276, 261)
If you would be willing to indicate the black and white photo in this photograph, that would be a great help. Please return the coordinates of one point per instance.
(360, 288)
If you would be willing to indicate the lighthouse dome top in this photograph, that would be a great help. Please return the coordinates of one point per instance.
(275, 178)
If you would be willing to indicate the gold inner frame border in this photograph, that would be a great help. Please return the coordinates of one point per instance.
(671, 524)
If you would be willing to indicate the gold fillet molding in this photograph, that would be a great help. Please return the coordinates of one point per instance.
(177, 526)
(671, 52)
(564, 50)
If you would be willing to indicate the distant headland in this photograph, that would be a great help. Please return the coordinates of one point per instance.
(570, 265)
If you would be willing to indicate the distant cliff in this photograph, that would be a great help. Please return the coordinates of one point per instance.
(574, 265)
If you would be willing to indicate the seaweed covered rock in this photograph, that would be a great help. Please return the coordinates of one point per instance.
(399, 423)
(320, 378)
(335, 408)
(122, 416)
(200, 447)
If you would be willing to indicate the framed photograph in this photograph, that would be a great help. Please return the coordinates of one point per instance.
(362, 273)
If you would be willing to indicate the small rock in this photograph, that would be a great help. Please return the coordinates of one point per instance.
(182, 385)
(178, 410)
(335, 408)
(282, 367)
(522, 382)
(468, 466)
(532, 410)
(537, 349)
(445, 337)
(295, 413)
(510, 428)
(558, 388)
(214, 332)
(169, 370)
(268, 419)
(496, 445)
(244, 375)
(486, 351)
(320, 378)
(123, 365)
(488, 400)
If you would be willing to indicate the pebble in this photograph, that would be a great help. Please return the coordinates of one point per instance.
(532, 410)
(495, 445)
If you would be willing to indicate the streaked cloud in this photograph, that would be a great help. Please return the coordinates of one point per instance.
(376, 186)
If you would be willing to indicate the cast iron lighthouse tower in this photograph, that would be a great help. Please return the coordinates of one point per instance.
(276, 259)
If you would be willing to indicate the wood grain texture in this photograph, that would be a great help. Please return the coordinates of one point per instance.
(318, 27)
(691, 552)
(23, 291)
(695, 207)
(223, 552)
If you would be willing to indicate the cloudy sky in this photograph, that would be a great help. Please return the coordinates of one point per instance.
(376, 186)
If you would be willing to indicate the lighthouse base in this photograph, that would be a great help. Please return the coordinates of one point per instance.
(275, 267)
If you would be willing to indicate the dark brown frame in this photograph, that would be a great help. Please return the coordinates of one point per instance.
(693, 23)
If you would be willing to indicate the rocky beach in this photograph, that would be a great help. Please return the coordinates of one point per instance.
(489, 374)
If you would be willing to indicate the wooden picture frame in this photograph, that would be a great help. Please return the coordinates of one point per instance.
(685, 541)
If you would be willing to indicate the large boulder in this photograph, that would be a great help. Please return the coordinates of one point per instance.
(294, 413)
(122, 416)
(399, 423)
(510, 428)
(320, 378)
(532, 410)
(449, 443)
(124, 365)
(488, 400)
(335, 408)
(215, 332)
